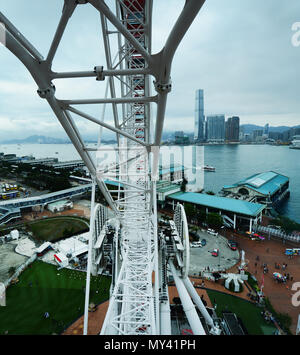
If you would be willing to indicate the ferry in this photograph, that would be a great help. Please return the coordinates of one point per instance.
(295, 142)
(208, 168)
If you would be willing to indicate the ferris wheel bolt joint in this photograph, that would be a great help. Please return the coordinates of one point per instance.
(47, 92)
(163, 88)
(99, 73)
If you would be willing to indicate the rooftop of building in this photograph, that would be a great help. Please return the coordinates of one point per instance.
(265, 183)
(78, 161)
(59, 203)
(164, 186)
(171, 169)
(220, 203)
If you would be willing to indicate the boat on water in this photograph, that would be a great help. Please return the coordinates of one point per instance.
(208, 168)
(295, 142)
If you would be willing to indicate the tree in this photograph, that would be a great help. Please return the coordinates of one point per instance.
(201, 215)
(286, 224)
(214, 220)
(190, 210)
(183, 185)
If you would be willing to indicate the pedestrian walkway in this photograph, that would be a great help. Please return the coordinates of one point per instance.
(95, 322)
(271, 252)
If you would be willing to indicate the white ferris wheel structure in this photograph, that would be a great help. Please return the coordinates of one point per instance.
(138, 255)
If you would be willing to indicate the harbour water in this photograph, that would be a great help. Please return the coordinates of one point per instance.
(232, 163)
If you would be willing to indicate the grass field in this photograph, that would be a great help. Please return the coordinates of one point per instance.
(52, 229)
(42, 288)
(246, 311)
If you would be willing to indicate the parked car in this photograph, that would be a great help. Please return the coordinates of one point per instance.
(212, 231)
(232, 244)
(196, 245)
(215, 252)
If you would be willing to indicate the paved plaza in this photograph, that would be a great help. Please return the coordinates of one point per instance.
(201, 258)
(9, 259)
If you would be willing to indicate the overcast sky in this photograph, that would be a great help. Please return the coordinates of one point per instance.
(238, 51)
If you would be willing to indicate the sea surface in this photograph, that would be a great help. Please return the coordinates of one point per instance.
(232, 162)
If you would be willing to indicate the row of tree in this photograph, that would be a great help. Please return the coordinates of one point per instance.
(38, 176)
(198, 216)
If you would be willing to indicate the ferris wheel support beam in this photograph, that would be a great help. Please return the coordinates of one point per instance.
(197, 300)
(116, 100)
(89, 262)
(109, 64)
(104, 73)
(156, 266)
(104, 9)
(20, 38)
(40, 73)
(187, 303)
(161, 64)
(68, 10)
(105, 125)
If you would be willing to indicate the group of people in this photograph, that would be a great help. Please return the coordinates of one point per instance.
(285, 278)
(266, 269)
(278, 266)
(264, 266)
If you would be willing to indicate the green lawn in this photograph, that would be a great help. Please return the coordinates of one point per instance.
(52, 229)
(60, 293)
(246, 311)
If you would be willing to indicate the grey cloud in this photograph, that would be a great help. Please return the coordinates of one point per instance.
(239, 52)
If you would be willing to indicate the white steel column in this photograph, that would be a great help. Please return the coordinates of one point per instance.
(196, 298)
(89, 263)
(187, 303)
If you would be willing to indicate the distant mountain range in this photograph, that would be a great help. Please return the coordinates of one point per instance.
(47, 140)
(36, 139)
(249, 128)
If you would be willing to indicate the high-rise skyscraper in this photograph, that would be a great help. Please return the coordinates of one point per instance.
(266, 131)
(257, 135)
(216, 128)
(199, 116)
(232, 129)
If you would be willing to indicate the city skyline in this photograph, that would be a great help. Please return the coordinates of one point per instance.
(237, 69)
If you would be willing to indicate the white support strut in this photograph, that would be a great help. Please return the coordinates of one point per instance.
(187, 303)
(135, 305)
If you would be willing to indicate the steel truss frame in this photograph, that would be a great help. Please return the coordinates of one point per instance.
(134, 305)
